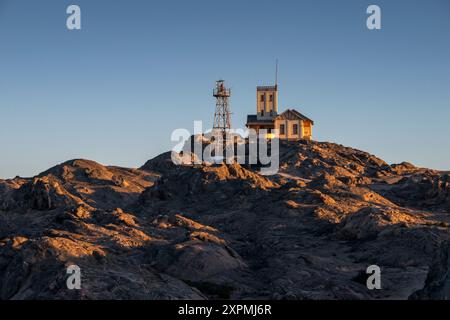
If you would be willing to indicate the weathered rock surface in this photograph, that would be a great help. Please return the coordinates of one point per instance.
(168, 231)
(437, 284)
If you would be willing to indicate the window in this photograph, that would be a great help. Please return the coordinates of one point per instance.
(271, 98)
(295, 129)
(262, 98)
(282, 129)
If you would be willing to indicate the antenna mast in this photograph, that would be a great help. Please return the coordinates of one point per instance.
(276, 73)
(222, 115)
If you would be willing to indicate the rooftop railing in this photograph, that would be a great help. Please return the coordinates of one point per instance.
(219, 92)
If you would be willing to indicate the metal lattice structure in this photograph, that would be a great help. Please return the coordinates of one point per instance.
(222, 115)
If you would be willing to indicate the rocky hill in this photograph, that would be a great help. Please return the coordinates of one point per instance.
(224, 231)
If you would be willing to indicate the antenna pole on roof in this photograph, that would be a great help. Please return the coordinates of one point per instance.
(276, 74)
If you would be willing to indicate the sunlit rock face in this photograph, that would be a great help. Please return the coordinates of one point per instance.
(202, 231)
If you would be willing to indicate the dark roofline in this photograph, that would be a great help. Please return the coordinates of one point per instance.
(301, 115)
(298, 114)
(251, 119)
(266, 88)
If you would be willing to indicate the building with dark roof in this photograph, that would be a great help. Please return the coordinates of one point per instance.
(290, 125)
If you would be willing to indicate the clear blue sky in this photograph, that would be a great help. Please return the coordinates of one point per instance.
(114, 91)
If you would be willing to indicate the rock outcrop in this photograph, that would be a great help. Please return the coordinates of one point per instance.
(202, 231)
(437, 284)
